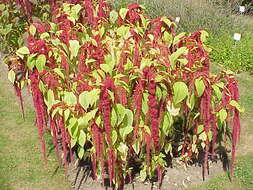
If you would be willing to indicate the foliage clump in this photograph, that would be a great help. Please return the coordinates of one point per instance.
(119, 88)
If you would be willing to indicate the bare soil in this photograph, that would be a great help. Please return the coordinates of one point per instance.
(176, 178)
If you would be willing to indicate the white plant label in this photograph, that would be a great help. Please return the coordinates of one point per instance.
(177, 19)
(237, 36)
(242, 9)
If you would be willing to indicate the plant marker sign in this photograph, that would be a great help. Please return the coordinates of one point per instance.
(177, 19)
(242, 9)
(237, 36)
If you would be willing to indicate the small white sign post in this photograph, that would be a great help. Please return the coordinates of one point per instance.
(242, 9)
(177, 19)
(237, 38)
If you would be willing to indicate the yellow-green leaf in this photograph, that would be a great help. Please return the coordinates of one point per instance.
(180, 91)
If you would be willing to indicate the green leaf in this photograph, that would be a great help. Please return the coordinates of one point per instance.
(87, 98)
(203, 145)
(123, 13)
(72, 121)
(72, 142)
(168, 38)
(113, 117)
(44, 35)
(40, 62)
(121, 112)
(203, 35)
(106, 68)
(136, 147)
(210, 135)
(200, 86)
(42, 87)
(50, 99)
(6, 30)
(191, 101)
(83, 99)
(70, 98)
(125, 131)
(94, 96)
(2, 7)
(194, 148)
(178, 38)
(130, 117)
(113, 16)
(200, 129)
(180, 91)
(31, 61)
(80, 152)
(11, 76)
(66, 114)
(75, 11)
(87, 61)
(203, 136)
(145, 63)
(102, 31)
(236, 105)
(147, 130)
(167, 123)
(166, 21)
(87, 117)
(74, 48)
(174, 56)
(22, 51)
(179, 148)
(123, 30)
(59, 72)
(143, 174)
(32, 30)
(158, 93)
(168, 148)
(194, 138)
(55, 111)
(183, 61)
(82, 138)
(223, 115)
(145, 103)
(98, 120)
(114, 136)
(217, 91)
(122, 148)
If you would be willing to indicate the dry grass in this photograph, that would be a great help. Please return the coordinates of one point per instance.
(211, 15)
(21, 166)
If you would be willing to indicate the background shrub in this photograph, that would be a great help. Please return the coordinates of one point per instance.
(237, 56)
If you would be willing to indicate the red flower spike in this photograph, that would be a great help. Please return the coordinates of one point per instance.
(234, 92)
(55, 137)
(38, 102)
(153, 112)
(65, 141)
(148, 140)
(20, 97)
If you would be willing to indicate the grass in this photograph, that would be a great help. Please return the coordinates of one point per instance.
(20, 158)
(242, 181)
(236, 56)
